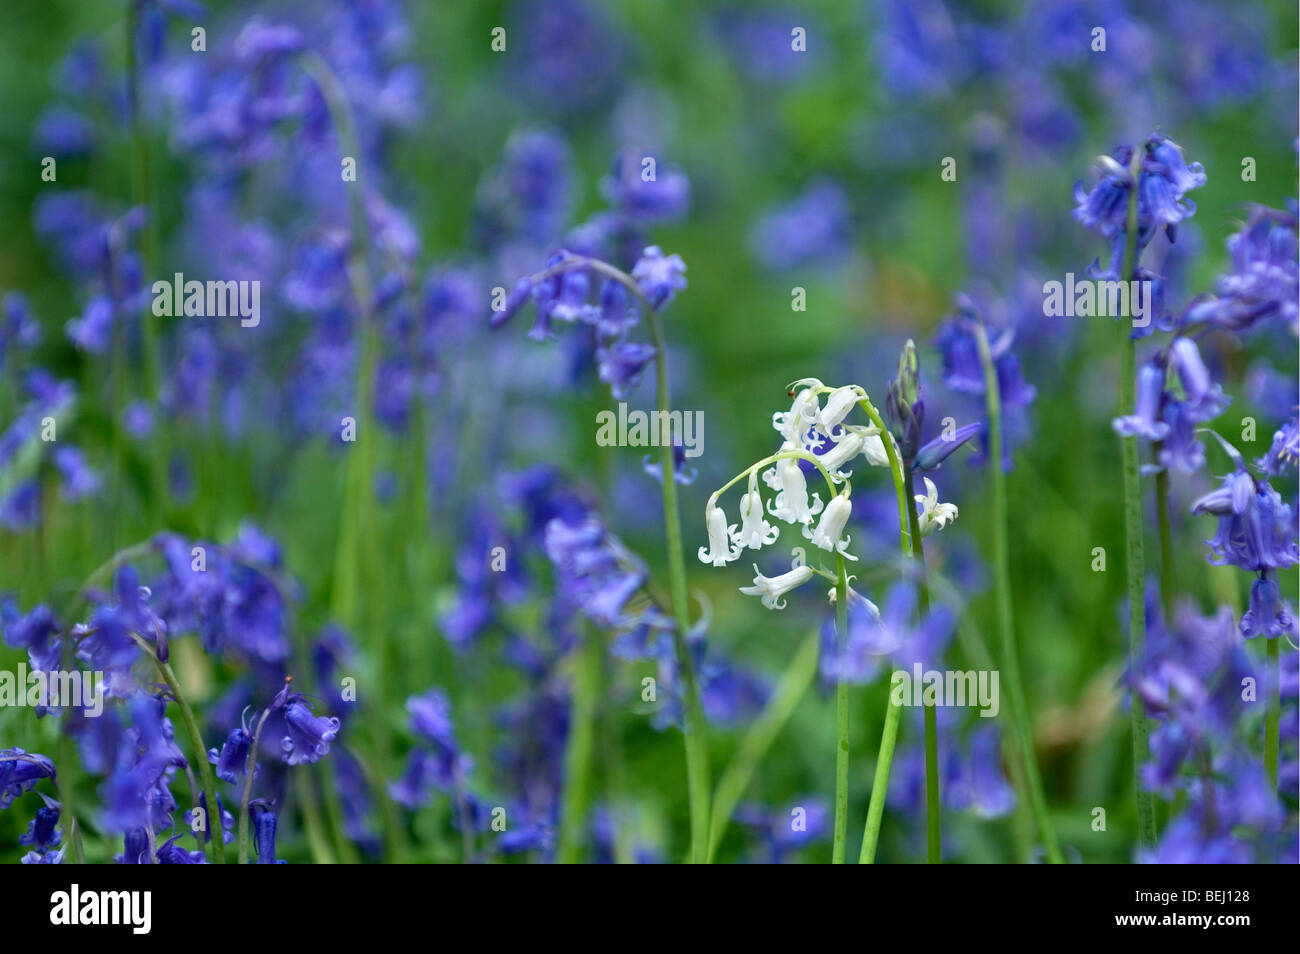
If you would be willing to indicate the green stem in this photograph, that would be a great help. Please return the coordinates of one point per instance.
(697, 754)
(1272, 714)
(841, 721)
(1166, 542)
(880, 784)
(760, 736)
(581, 746)
(893, 712)
(1002, 598)
(1135, 558)
(141, 195)
(216, 845)
(250, 767)
(358, 556)
(65, 788)
(933, 808)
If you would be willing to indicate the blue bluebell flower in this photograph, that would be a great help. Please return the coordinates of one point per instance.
(20, 771)
(659, 276)
(963, 372)
(232, 759)
(170, 853)
(264, 824)
(621, 364)
(135, 848)
(307, 736)
(813, 229)
(43, 833)
(33, 632)
(1165, 179)
(1284, 453)
(48, 858)
(136, 793)
(782, 832)
(567, 56)
(664, 198)
(1265, 279)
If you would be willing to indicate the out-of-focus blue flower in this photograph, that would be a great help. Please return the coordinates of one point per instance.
(659, 276)
(983, 787)
(813, 229)
(761, 42)
(963, 372)
(620, 365)
(918, 48)
(19, 771)
(79, 480)
(567, 56)
(33, 632)
(683, 473)
(1265, 279)
(19, 329)
(663, 198)
(1284, 453)
(886, 635)
(530, 192)
(63, 133)
(783, 832)
(595, 571)
(436, 762)
(136, 793)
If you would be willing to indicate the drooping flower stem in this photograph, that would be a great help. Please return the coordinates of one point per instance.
(1135, 557)
(1272, 713)
(581, 744)
(841, 720)
(1002, 597)
(697, 754)
(893, 713)
(216, 844)
(933, 809)
(250, 766)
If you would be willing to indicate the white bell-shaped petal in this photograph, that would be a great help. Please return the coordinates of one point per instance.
(755, 531)
(838, 405)
(849, 447)
(720, 550)
(934, 515)
(830, 528)
(791, 504)
(793, 424)
(772, 588)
